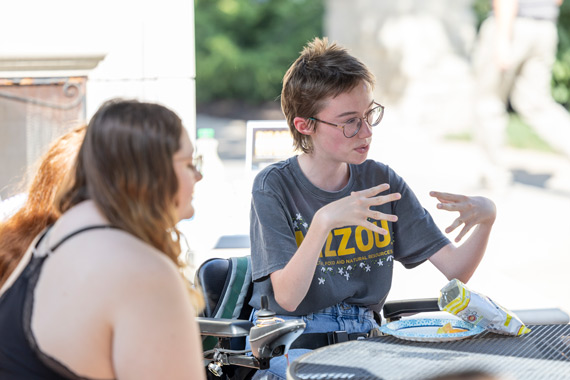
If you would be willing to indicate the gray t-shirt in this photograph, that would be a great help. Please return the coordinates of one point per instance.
(355, 265)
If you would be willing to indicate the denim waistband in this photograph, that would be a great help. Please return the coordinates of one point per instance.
(342, 309)
(345, 310)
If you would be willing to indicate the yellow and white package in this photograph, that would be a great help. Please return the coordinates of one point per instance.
(478, 309)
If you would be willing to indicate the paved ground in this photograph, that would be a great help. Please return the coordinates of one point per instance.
(527, 264)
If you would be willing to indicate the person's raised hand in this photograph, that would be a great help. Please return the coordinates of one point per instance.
(355, 209)
(472, 211)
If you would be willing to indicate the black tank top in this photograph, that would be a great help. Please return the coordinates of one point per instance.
(20, 357)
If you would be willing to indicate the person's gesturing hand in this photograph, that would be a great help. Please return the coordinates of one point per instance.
(354, 210)
(472, 211)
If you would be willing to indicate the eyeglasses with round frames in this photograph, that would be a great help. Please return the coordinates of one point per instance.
(352, 126)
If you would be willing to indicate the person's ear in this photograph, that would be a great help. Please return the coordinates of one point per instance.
(303, 126)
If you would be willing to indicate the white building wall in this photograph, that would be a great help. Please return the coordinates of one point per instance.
(148, 46)
(140, 49)
(150, 55)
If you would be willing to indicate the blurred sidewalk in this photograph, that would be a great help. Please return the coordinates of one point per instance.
(528, 257)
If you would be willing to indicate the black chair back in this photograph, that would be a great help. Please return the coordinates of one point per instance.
(227, 287)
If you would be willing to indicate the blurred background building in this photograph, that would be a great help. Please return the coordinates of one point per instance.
(219, 64)
(419, 51)
(60, 59)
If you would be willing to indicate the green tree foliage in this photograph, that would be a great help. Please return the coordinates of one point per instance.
(243, 47)
(481, 9)
(561, 68)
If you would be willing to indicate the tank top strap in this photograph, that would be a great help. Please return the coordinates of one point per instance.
(72, 234)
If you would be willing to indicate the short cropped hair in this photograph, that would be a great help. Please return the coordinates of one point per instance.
(322, 71)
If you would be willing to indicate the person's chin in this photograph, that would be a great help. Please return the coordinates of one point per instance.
(360, 158)
(186, 214)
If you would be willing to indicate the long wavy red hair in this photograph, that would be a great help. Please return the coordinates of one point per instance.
(17, 232)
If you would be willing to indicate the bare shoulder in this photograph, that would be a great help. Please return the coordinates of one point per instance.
(126, 295)
(111, 249)
(121, 245)
(120, 253)
(141, 262)
(112, 264)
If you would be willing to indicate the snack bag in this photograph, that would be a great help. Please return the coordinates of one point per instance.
(478, 309)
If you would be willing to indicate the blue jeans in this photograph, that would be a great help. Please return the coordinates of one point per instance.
(341, 317)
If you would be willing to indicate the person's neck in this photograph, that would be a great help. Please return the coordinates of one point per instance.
(324, 174)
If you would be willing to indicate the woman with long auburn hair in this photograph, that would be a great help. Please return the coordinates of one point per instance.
(102, 295)
(38, 210)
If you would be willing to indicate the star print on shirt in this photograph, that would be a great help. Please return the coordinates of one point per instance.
(299, 223)
(321, 280)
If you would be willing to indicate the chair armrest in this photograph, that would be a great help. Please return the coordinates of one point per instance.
(224, 328)
(393, 310)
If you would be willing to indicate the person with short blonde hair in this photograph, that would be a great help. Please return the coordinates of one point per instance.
(315, 75)
(328, 224)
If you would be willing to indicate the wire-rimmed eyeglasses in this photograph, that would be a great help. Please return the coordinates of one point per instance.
(373, 117)
(198, 163)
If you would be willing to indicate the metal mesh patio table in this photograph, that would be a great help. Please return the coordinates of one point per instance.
(542, 354)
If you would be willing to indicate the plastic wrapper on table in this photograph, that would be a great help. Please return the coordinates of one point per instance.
(479, 309)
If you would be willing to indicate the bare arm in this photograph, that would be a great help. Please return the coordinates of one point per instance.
(155, 335)
(505, 14)
(351, 210)
(479, 212)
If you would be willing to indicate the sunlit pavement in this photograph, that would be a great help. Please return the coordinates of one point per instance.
(527, 264)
